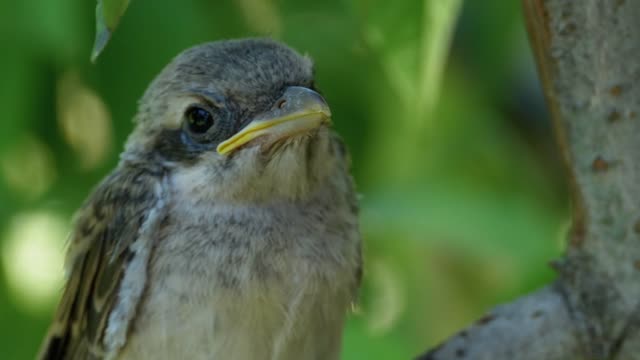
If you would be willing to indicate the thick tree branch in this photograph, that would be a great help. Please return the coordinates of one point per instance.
(501, 334)
(587, 54)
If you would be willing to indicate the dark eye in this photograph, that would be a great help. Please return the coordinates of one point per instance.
(199, 120)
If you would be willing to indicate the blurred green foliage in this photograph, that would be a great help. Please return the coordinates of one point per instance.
(463, 195)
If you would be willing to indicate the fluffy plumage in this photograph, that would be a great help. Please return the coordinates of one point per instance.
(186, 253)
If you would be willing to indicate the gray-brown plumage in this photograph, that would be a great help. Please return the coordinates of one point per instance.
(229, 228)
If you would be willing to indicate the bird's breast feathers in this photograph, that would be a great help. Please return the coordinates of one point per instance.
(271, 281)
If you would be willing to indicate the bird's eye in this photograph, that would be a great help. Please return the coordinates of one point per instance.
(199, 120)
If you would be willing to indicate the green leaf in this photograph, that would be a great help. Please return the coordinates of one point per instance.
(108, 14)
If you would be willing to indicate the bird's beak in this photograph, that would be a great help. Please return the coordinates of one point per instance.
(298, 110)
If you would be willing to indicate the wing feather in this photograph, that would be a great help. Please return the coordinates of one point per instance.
(99, 251)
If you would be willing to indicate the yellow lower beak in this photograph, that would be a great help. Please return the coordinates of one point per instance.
(298, 110)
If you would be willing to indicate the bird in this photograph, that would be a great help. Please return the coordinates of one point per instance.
(229, 227)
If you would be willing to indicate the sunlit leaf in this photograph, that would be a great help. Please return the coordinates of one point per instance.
(108, 14)
(439, 19)
(84, 120)
(27, 167)
(32, 258)
(261, 16)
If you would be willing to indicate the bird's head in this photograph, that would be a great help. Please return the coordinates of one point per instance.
(239, 120)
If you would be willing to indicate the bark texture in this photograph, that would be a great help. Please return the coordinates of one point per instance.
(588, 56)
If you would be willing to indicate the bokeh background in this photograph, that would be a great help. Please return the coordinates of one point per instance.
(463, 196)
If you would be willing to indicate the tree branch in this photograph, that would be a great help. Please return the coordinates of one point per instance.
(501, 334)
(587, 54)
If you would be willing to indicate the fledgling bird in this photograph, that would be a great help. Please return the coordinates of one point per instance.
(229, 228)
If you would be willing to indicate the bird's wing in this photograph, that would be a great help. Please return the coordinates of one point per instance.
(106, 237)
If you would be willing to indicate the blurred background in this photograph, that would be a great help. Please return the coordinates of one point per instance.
(463, 196)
